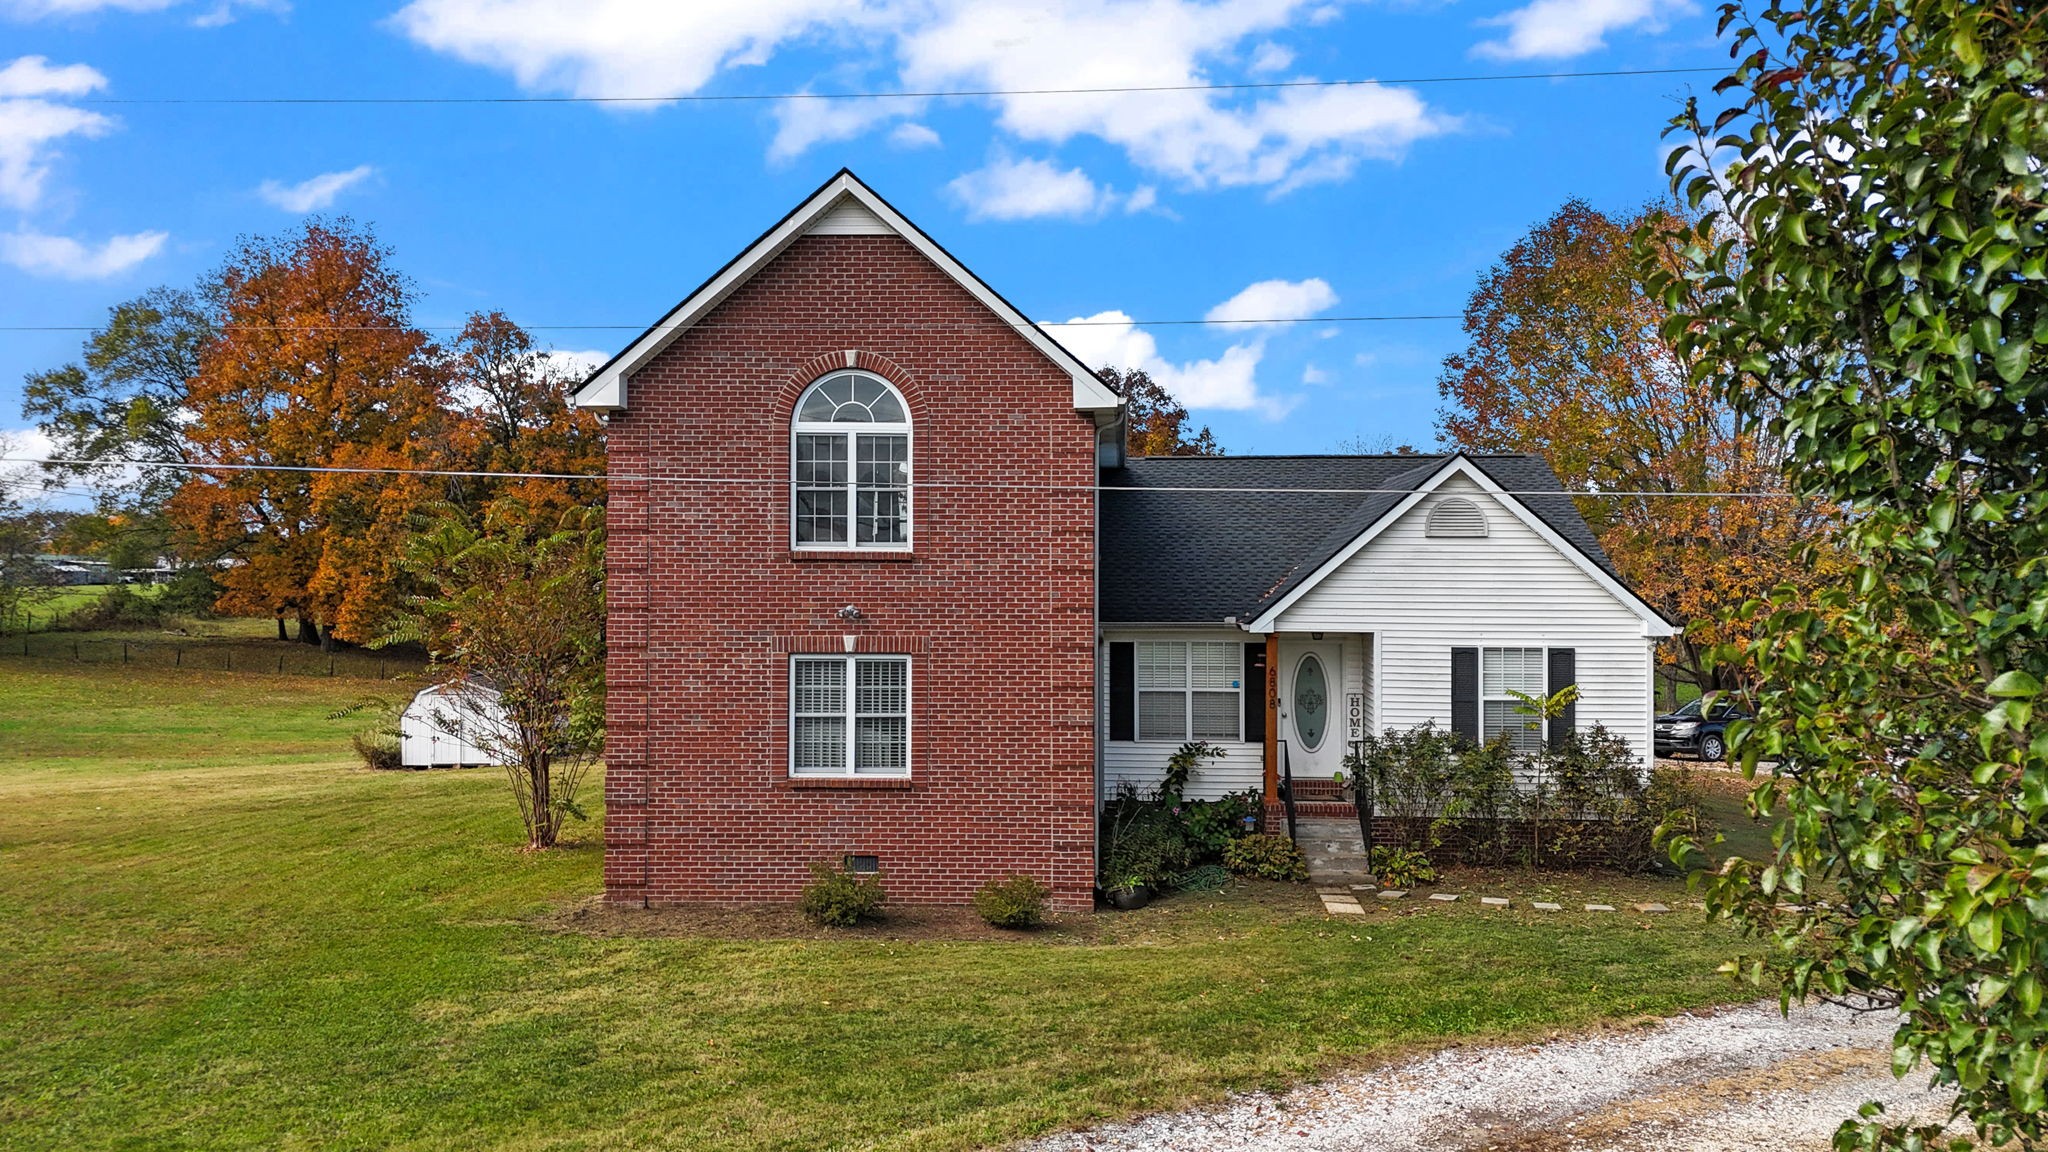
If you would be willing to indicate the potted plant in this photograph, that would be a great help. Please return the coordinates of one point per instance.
(1129, 894)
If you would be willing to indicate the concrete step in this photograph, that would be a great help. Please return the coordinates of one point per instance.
(1335, 850)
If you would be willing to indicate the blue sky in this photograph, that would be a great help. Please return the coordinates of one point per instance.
(1153, 206)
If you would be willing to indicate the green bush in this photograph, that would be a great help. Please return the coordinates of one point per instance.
(1402, 867)
(1152, 839)
(1267, 857)
(378, 750)
(1018, 902)
(840, 899)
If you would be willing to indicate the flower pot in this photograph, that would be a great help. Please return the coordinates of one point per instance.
(1130, 898)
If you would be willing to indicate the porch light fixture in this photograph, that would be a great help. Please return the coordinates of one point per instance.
(1315, 635)
(851, 614)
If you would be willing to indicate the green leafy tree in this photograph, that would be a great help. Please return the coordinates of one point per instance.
(1882, 163)
(518, 614)
(125, 399)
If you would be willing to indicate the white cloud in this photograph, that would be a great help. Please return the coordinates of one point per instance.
(1200, 138)
(30, 124)
(625, 47)
(1310, 374)
(801, 124)
(67, 259)
(910, 135)
(1556, 29)
(316, 192)
(1273, 302)
(1228, 381)
(1027, 189)
(33, 76)
(1271, 57)
(581, 361)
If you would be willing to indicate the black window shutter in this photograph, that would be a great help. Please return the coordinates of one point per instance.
(1465, 693)
(1123, 688)
(1564, 672)
(1254, 693)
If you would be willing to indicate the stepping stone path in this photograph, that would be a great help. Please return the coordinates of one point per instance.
(1540, 906)
(1345, 901)
(1652, 908)
(1341, 904)
(1446, 897)
(1494, 901)
(1393, 893)
(1599, 907)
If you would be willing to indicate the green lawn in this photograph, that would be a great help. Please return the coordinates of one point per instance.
(217, 932)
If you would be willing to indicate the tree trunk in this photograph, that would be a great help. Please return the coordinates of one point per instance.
(309, 632)
(281, 635)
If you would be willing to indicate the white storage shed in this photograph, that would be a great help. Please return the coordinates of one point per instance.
(451, 725)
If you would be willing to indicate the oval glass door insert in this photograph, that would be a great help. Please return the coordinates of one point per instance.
(1311, 702)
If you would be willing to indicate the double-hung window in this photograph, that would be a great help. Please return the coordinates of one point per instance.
(849, 716)
(1190, 690)
(1502, 672)
(850, 465)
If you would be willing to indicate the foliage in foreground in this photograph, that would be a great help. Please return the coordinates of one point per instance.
(1018, 902)
(1582, 799)
(1147, 840)
(519, 621)
(1266, 856)
(1882, 163)
(1402, 867)
(839, 898)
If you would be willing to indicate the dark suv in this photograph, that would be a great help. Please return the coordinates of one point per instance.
(1704, 736)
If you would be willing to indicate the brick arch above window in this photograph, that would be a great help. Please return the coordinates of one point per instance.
(826, 363)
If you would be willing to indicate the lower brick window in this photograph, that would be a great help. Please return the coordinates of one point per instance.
(849, 716)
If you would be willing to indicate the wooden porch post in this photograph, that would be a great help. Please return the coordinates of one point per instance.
(1272, 717)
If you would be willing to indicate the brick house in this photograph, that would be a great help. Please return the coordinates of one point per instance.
(883, 586)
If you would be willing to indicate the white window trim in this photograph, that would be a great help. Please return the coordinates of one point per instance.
(1187, 691)
(852, 716)
(849, 432)
(1543, 663)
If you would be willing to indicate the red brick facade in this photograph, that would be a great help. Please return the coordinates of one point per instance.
(995, 605)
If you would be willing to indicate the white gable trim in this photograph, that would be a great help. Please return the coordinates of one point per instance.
(1653, 624)
(843, 207)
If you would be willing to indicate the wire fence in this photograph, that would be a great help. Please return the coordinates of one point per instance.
(202, 656)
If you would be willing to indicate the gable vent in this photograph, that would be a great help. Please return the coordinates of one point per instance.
(1456, 516)
(850, 217)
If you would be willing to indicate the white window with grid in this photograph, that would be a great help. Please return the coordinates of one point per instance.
(850, 465)
(849, 716)
(1190, 690)
(1501, 672)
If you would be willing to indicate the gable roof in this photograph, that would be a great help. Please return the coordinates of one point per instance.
(1257, 531)
(842, 206)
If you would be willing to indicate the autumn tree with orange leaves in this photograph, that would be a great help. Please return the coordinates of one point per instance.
(315, 364)
(514, 415)
(1156, 424)
(1567, 359)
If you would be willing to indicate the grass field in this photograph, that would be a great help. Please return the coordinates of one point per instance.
(215, 931)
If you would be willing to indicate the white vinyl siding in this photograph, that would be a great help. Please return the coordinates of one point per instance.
(1421, 596)
(849, 715)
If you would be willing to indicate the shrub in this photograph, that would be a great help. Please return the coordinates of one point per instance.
(1402, 867)
(1018, 902)
(121, 607)
(1211, 825)
(379, 750)
(1267, 857)
(840, 899)
(1181, 766)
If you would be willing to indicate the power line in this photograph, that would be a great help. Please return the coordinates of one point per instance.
(751, 481)
(934, 94)
(780, 325)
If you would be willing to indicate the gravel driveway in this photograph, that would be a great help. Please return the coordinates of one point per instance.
(1731, 1081)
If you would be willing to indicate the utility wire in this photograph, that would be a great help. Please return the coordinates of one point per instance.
(779, 325)
(751, 481)
(934, 94)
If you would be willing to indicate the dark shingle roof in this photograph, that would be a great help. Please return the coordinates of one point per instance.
(1175, 556)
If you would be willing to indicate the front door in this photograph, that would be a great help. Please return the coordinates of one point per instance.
(1311, 713)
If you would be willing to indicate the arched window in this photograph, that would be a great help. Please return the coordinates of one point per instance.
(850, 465)
(1456, 516)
